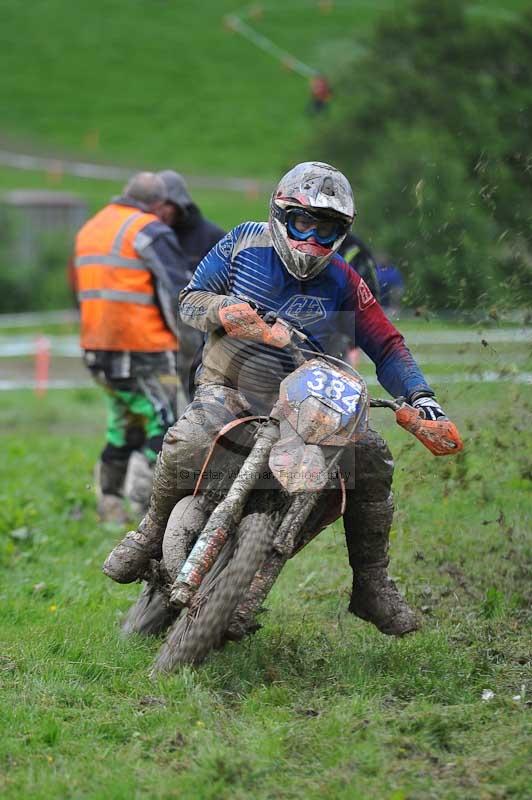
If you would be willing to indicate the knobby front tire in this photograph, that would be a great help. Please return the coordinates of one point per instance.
(202, 628)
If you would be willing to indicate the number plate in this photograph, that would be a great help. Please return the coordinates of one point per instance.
(334, 388)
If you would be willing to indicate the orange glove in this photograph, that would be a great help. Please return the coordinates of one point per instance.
(241, 321)
(440, 436)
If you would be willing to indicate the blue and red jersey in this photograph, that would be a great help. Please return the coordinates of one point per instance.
(245, 264)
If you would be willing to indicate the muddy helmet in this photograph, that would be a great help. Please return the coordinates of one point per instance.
(311, 211)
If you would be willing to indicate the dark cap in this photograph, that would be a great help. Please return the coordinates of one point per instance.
(176, 188)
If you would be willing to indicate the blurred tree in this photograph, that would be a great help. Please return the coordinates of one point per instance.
(434, 125)
(428, 213)
(40, 284)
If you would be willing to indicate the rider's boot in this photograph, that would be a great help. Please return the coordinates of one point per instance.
(108, 484)
(130, 558)
(375, 597)
(367, 522)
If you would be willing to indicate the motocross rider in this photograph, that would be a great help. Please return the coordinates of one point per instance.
(289, 266)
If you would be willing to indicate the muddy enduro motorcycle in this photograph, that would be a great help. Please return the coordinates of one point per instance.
(268, 487)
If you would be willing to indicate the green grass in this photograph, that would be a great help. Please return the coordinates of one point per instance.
(165, 82)
(317, 704)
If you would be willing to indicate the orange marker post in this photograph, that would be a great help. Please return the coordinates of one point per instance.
(42, 364)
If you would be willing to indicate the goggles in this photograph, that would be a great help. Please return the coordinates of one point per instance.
(302, 225)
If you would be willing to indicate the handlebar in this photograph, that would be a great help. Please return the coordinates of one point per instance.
(441, 436)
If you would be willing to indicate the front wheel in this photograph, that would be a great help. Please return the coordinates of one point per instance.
(202, 628)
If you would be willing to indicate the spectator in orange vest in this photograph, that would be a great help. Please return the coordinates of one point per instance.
(130, 269)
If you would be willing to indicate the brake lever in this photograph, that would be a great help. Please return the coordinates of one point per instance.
(395, 405)
(270, 318)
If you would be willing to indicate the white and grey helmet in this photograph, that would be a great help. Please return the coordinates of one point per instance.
(316, 192)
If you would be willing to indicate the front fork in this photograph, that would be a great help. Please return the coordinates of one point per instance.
(286, 544)
(225, 516)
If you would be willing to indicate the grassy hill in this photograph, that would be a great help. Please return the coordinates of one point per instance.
(165, 82)
(161, 80)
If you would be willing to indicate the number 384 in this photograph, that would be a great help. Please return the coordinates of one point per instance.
(334, 389)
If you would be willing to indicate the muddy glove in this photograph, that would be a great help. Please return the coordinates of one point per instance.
(241, 321)
(426, 420)
(428, 406)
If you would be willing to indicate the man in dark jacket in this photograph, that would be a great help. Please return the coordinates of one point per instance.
(359, 256)
(196, 236)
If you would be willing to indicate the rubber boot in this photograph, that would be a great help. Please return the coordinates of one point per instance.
(108, 482)
(138, 483)
(375, 597)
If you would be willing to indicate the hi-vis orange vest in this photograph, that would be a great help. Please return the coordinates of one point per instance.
(115, 290)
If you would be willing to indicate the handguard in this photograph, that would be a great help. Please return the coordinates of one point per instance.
(240, 321)
(441, 436)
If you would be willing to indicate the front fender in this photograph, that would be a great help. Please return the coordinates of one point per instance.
(298, 467)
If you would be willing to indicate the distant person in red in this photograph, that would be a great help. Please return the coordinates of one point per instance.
(320, 94)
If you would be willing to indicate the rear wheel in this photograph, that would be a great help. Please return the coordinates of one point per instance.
(150, 615)
(203, 627)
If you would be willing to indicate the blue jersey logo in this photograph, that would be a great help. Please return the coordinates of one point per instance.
(304, 309)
